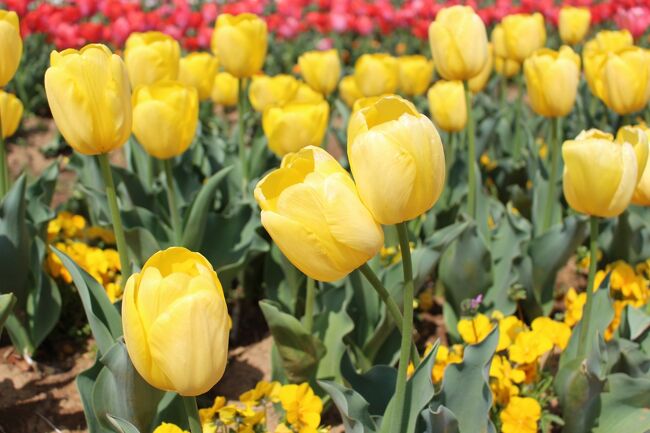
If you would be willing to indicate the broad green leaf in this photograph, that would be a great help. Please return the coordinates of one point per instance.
(625, 405)
(376, 386)
(85, 384)
(122, 425)
(352, 407)
(7, 302)
(39, 195)
(15, 243)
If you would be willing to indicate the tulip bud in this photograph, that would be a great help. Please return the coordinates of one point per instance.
(376, 74)
(349, 90)
(596, 50)
(415, 73)
(523, 34)
(447, 105)
(240, 42)
(552, 79)
(458, 42)
(574, 24)
(165, 116)
(265, 91)
(293, 126)
(600, 175)
(225, 89)
(321, 70)
(198, 70)
(11, 46)
(176, 323)
(312, 210)
(151, 57)
(478, 83)
(396, 158)
(306, 95)
(90, 98)
(641, 194)
(11, 111)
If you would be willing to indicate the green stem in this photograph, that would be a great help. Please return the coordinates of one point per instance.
(391, 305)
(240, 135)
(308, 319)
(586, 313)
(556, 137)
(4, 167)
(407, 330)
(171, 201)
(519, 111)
(503, 89)
(192, 412)
(471, 158)
(115, 217)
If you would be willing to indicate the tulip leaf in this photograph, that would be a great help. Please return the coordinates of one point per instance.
(85, 383)
(468, 378)
(376, 386)
(39, 196)
(139, 162)
(7, 302)
(628, 237)
(624, 405)
(103, 318)
(282, 280)
(352, 407)
(195, 224)
(122, 425)
(442, 420)
(634, 323)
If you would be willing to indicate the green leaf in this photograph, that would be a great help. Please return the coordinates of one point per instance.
(352, 407)
(15, 243)
(7, 302)
(624, 405)
(39, 195)
(103, 317)
(85, 384)
(634, 323)
(376, 386)
(122, 425)
(300, 351)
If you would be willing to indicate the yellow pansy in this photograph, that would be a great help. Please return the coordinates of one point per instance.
(474, 330)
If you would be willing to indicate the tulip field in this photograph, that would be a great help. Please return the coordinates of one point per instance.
(301, 216)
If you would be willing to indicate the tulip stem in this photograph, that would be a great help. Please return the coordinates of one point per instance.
(310, 297)
(240, 135)
(171, 201)
(4, 167)
(586, 313)
(120, 240)
(556, 137)
(471, 158)
(519, 112)
(407, 330)
(192, 412)
(391, 305)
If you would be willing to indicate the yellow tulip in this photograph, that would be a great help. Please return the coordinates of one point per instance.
(641, 194)
(296, 125)
(458, 43)
(312, 210)
(363, 103)
(376, 74)
(90, 98)
(165, 116)
(176, 323)
(349, 90)
(523, 34)
(597, 49)
(306, 95)
(321, 70)
(225, 89)
(240, 42)
(622, 80)
(415, 74)
(552, 79)
(11, 46)
(11, 111)
(396, 158)
(447, 105)
(265, 91)
(600, 175)
(478, 83)
(574, 24)
(199, 70)
(506, 67)
(503, 65)
(638, 138)
(151, 57)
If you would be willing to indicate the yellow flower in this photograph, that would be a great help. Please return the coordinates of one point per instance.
(503, 64)
(478, 83)
(397, 160)
(487, 162)
(509, 328)
(321, 70)
(458, 43)
(521, 415)
(90, 98)
(506, 67)
(311, 209)
(574, 24)
(573, 305)
(506, 378)
(349, 90)
(225, 89)
(240, 43)
(208, 414)
(415, 73)
(302, 406)
(263, 391)
(11, 45)
(426, 300)
(176, 293)
(198, 70)
(528, 347)
(638, 138)
(294, 126)
(474, 330)
(641, 194)
(165, 116)
(169, 428)
(444, 357)
(11, 111)
(283, 428)
(151, 57)
(265, 91)
(523, 35)
(558, 332)
(599, 175)
(447, 105)
(596, 51)
(306, 95)
(376, 74)
(552, 79)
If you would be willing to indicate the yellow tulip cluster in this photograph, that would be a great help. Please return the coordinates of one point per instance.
(11, 47)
